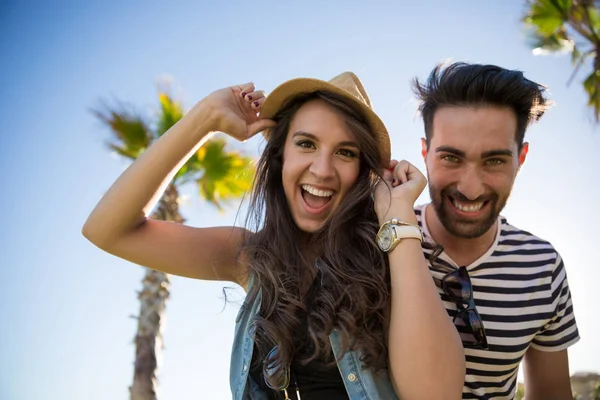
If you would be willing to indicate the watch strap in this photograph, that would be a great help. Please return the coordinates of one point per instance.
(407, 231)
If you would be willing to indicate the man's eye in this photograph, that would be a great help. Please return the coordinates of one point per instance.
(450, 158)
(494, 161)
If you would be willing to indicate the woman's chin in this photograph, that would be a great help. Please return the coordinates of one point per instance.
(309, 226)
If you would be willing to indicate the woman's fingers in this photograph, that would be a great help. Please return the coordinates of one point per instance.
(245, 88)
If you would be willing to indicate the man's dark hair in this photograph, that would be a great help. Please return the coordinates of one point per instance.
(474, 85)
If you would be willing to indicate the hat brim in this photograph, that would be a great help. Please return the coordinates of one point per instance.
(290, 89)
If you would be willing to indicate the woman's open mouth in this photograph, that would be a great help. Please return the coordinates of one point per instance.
(315, 200)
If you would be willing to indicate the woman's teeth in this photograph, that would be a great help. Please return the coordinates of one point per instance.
(317, 192)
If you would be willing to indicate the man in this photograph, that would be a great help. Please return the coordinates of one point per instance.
(511, 300)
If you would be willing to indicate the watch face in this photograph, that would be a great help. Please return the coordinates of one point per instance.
(385, 239)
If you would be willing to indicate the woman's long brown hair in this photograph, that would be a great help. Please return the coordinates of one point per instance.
(353, 289)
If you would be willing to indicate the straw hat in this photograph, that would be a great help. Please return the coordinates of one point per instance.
(346, 85)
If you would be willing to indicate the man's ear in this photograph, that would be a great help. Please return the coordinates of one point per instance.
(424, 148)
(523, 154)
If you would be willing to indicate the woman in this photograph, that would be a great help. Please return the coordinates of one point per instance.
(328, 312)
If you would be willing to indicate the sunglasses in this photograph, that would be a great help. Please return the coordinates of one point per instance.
(283, 382)
(458, 287)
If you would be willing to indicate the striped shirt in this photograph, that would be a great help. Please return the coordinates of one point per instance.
(521, 292)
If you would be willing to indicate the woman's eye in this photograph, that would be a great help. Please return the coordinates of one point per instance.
(347, 153)
(307, 144)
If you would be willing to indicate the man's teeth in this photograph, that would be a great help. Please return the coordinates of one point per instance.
(467, 207)
(316, 192)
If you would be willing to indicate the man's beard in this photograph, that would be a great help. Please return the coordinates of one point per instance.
(465, 228)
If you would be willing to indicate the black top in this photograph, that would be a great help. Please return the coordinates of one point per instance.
(316, 380)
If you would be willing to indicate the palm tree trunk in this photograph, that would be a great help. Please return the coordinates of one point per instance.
(153, 299)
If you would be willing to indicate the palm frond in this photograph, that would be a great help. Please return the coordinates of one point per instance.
(221, 175)
(592, 87)
(170, 112)
(557, 42)
(227, 175)
(568, 26)
(131, 134)
(547, 16)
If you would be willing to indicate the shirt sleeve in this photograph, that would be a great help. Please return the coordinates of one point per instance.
(560, 332)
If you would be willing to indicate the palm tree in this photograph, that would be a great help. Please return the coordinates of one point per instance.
(569, 26)
(221, 176)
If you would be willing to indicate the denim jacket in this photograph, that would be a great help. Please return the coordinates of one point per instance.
(361, 384)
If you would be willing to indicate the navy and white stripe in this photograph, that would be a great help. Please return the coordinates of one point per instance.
(522, 294)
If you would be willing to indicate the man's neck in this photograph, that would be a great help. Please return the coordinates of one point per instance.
(462, 251)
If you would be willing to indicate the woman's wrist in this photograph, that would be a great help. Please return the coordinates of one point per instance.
(403, 212)
(203, 118)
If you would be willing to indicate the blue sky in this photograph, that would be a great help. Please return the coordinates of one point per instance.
(66, 306)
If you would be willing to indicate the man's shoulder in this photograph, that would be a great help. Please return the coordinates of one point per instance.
(509, 231)
(514, 240)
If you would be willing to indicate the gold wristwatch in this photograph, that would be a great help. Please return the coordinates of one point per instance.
(393, 231)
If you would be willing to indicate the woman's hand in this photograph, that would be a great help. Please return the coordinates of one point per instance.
(234, 110)
(396, 193)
